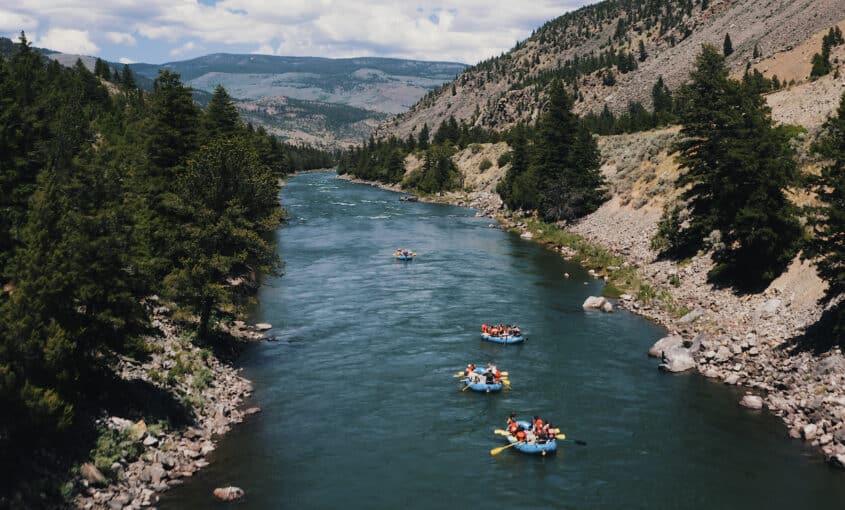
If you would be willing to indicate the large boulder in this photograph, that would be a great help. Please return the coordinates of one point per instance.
(594, 303)
(664, 344)
(228, 493)
(93, 475)
(263, 326)
(751, 402)
(691, 316)
(769, 308)
(677, 359)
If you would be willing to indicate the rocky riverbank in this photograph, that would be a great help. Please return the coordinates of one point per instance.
(750, 340)
(152, 458)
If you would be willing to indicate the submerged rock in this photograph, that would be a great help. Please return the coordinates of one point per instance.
(594, 303)
(263, 326)
(228, 493)
(751, 402)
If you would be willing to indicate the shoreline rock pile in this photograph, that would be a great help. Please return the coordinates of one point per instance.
(170, 456)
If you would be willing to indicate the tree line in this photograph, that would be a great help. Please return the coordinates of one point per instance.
(107, 199)
(383, 160)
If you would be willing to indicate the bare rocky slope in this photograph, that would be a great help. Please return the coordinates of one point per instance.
(510, 88)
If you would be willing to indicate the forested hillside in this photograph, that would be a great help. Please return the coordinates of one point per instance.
(114, 201)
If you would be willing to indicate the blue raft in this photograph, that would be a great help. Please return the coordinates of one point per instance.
(533, 448)
(404, 257)
(507, 339)
(483, 387)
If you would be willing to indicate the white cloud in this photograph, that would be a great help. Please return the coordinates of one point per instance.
(121, 38)
(124, 60)
(68, 40)
(465, 30)
(13, 22)
(181, 50)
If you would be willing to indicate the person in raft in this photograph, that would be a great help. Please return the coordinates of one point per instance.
(519, 432)
(497, 375)
(500, 330)
(473, 376)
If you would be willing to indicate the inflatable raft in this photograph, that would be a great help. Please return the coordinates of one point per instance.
(483, 387)
(404, 257)
(506, 339)
(533, 448)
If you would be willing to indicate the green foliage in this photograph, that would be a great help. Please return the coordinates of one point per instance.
(438, 172)
(226, 201)
(821, 61)
(727, 46)
(101, 197)
(220, 118)
(558, 175)
(504, 159)
(827, 220)
(642, 51)
(570, 184)
(736, 167)
(112, 446)
(485, 164)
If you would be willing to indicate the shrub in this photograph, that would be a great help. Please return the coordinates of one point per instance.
(504, 159)
(485, 165)
(113, 445)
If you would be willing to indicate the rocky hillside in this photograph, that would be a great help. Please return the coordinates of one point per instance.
(583, 47)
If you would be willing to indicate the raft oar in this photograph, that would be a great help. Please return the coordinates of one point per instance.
(497, 451)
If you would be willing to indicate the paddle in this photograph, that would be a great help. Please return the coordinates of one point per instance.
(497, 451)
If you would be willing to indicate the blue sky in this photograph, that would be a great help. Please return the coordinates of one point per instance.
(158, 31)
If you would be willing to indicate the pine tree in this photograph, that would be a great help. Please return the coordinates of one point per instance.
(827, 220)
(569, 181)
(127, 78)
(227, 201)
(727, 46)
(171, 137)
(661, 97)
(518, 188)
(220, 118)
(736, 166)
(643, 53)
(23, 128)
(424, 136)
(74, 298)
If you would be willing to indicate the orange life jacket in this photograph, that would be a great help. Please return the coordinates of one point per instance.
(520, 436)
(538, 424)
(484, 328)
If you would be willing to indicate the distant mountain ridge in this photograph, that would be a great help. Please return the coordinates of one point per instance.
(321, 101)
(384, 85)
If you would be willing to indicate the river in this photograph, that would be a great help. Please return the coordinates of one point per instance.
(360, 409)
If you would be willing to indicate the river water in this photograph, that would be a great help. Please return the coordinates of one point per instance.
(360, 409)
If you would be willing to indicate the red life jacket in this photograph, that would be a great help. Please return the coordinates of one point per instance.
(538, 424)
(520, 436)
